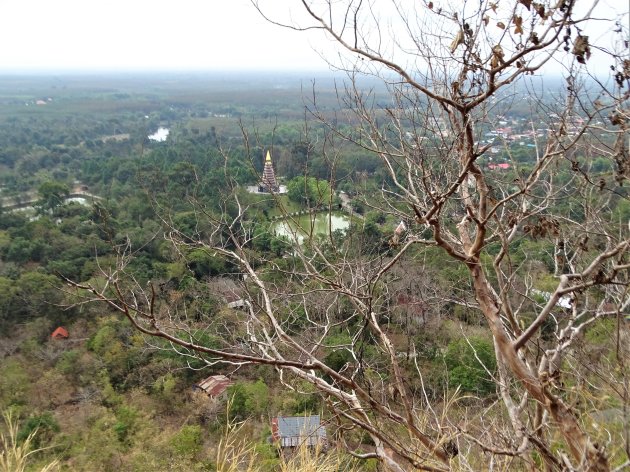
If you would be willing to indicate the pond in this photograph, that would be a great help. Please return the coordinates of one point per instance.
(319, 224)
(160, 135)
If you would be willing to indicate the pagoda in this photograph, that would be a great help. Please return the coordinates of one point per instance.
(269, 183)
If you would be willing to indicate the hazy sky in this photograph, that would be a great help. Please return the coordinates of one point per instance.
(147, 34)
(166, 34)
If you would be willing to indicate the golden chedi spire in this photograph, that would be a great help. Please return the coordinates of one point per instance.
(269, 182)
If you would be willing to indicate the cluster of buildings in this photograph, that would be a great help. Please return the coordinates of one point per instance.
(288, 432)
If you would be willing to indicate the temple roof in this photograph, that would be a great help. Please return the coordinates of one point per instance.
(269, 181)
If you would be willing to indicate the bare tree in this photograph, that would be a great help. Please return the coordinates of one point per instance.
(449, 70)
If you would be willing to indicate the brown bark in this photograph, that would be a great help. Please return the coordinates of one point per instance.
(590, 455)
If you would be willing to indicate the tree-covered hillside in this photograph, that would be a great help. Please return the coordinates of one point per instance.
(468, 312)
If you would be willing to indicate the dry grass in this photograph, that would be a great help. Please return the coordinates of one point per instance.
(236, 454)
(307, 459)
(14, 456)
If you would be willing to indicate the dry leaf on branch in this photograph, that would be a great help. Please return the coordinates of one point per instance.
(501, 25)
(459, 39)
(581, 49)
(497, 56)
(617, 118)
(540, 9)
(518, 22)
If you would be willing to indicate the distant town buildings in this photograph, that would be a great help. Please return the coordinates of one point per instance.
(500, 166)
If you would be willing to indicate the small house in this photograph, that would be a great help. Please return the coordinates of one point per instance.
(239, 304)
(501, 166)
(214, 386)
(563, 302)
(293, 431)
(60, 333)
(414, 308)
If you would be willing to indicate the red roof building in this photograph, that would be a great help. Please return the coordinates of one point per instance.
(503, 165)
(60, 333)
(214, 385)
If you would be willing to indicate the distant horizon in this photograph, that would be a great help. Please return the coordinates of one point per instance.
(163, 71)
(78, 72)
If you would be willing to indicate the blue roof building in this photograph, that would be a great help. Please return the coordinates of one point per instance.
(293, 431)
